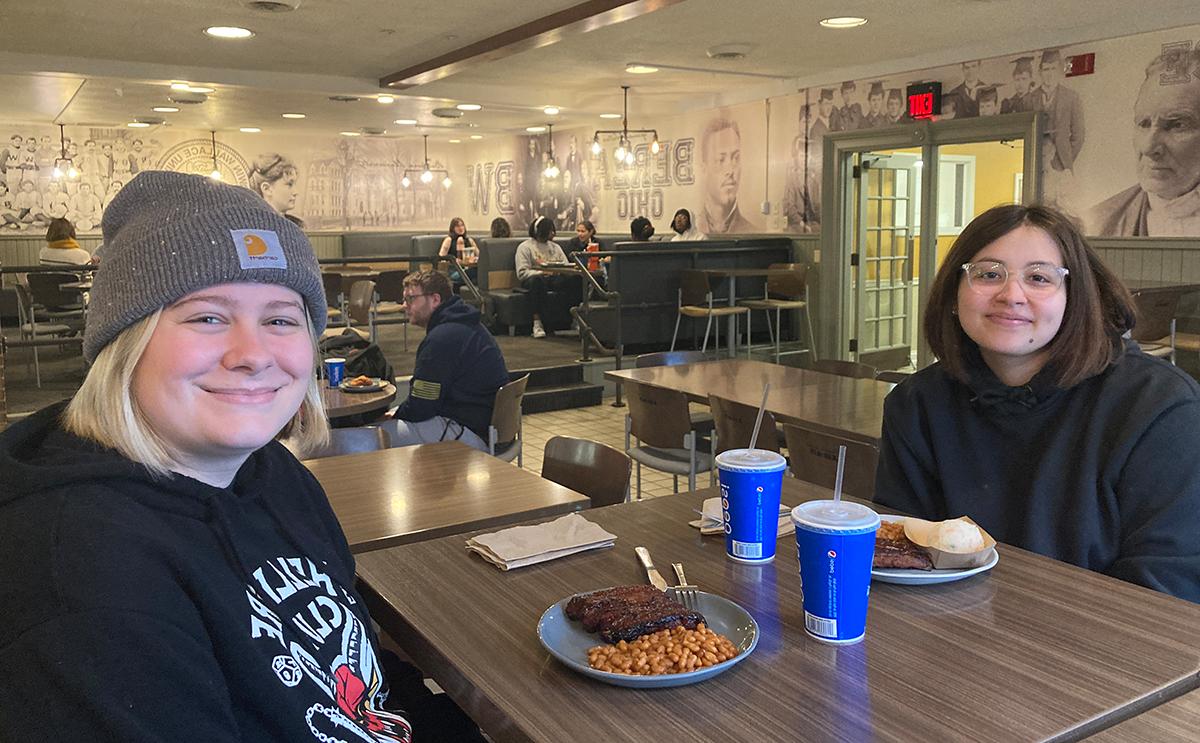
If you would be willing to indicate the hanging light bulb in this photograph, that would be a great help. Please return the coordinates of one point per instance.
(596, 145)
(216, 172)
(629, 158)
(446, 182)
(405, 181)
(215, 175)
(655, 147)
(620, 151)
(57, 173)
(551, 170)
(427, 176)
(72, 172)
(63, 160)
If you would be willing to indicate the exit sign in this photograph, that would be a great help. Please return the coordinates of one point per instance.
(924, 100)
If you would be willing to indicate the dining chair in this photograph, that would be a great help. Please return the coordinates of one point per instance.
(389, 301)
(52, 302)
(844, 368)
(813, 457)
(1154, 330)
(600, 472)
(666, 439)
(702, 422)
(34, 331)
(504, 432)
(352, 441)
(335, 300)
(361, 306)
(735, 425)
(696, 301)
(782, 292)
(895, 377)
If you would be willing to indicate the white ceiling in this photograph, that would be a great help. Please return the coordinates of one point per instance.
(103, 62)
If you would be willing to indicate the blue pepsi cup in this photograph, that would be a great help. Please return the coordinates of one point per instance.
(335, 371)
(836, 545)
(750, 483)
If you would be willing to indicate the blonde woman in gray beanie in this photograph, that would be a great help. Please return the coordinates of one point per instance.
(170, 570)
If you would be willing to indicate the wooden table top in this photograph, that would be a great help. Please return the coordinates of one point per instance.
(396, 496)
(740, 272)
(835, 404)
(339, 404)
(1176, 721)
(1035, 649)
(1146, 286)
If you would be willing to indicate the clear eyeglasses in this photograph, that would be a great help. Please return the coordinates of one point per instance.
(989, 277)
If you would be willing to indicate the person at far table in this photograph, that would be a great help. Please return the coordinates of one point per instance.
(170, 571)
(458, 245)
(585, 235)
(1039, 421)
(61, 248)
(684, 229)
(500, 227)
(458, 368)
(641, 229)
(538, 250)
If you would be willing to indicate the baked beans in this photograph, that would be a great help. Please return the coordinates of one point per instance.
(677, 650)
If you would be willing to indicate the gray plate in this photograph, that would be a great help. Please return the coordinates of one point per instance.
(567, 641)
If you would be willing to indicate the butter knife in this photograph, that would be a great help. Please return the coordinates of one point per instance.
(652, 573)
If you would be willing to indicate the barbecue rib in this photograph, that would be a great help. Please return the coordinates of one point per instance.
(628, 612)
(894, 550)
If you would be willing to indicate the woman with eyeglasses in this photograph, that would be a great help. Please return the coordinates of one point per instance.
(1039, 421)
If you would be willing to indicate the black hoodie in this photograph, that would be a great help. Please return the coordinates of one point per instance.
(143, 609)
(1102, 475)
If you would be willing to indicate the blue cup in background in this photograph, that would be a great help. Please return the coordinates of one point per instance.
(750, 484)
(335, 371)
(835, 542)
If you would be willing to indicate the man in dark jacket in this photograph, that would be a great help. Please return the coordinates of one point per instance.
(459, 368)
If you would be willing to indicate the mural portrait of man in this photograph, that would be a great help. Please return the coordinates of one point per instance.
(721, 176)
(1166, 142)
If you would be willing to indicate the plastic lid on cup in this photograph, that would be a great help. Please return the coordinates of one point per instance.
(751, 460)
(842, 517)
(335, 360)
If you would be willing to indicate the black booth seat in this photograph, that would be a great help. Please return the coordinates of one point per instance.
(510, 303)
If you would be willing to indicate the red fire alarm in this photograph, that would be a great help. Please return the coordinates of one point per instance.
(1081, 64)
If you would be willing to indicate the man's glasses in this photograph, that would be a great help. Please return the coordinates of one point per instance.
(989, 277)
(408, 298)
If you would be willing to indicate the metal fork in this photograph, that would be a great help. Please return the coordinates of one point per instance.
(686, 594)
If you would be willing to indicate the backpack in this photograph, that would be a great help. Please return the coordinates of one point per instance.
(362, 356)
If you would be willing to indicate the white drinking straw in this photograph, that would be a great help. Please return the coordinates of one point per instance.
(761, 409)
(837, 484)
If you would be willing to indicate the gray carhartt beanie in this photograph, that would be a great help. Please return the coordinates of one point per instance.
(169, 234)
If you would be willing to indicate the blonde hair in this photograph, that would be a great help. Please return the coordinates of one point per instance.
(104, 410)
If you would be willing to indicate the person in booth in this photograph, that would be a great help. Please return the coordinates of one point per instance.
(500, 227)
(641, 229)
(539, 250)
(171, 572)
(458, 245)
(684, 229)
(1039, 421)
(458, 368)
(61, 248)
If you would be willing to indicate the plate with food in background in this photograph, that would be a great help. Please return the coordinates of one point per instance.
(914, 551)
(605, 634)
(361, 384)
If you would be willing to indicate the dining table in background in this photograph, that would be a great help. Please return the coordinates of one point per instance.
(1032, 650)
(1176, 721)
(835, 404)
(406, 494)
(341, 406)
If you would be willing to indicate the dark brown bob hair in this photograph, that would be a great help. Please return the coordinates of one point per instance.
(1099, 308)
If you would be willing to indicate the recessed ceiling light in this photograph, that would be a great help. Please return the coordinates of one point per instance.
(535, 129)
(292, 116)
(137, 125)
(468, 107)
(229, 32)
(610, 116)
(476, 136)
(385, 99)
(166, 109)
(350, 134)
(455, 141)
(550, 110)
(180, 86)
(405, 122)
(198, 89)
(250, 129)
(635, 68)
(848, 21)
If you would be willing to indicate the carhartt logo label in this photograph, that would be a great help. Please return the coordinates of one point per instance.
(258, 249)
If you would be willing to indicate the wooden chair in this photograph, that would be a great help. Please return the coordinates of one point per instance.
(389, 301)
(668, 358)
(36, 333)
(361, 307)
(696, 301)
(504, 432)
(813, 458)
(735, 426)
(782, 292)
(895, 377)
(335, 300)
(667, 440)
(600, 472)
(844, 368)
(1155, 327)
(352, 441)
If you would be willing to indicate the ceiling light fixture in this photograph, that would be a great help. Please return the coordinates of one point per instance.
(137, 125)
(350, 134)
(454, 141)
(637, 68)
(64, 166)
(386, 99)
(405, 122)
(550, 110)
(551, 170)
(535, 129)
(610, 116)
(229, 32)
(216, 171)
(476, 136)
(199, 89)
(250, 130)
(624, 151)
(166, 109)
(426, 174)
(468, 107)
(180, 86)
(292, 116)
(848, 21)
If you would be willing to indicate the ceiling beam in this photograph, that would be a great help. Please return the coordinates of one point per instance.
(550, 29)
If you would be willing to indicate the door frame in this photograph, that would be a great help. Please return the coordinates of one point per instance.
(837, 187)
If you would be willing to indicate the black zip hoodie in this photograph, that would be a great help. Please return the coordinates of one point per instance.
(1102, 475)
(142, 609)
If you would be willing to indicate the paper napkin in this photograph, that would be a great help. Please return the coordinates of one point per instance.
(528, 545)
(712, 522)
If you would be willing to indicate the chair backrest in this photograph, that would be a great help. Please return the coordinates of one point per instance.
(658, 417)
(694, 288)
(362, 296)
(1155, 311)
(333, 287)
(600, 472)
(895, 377)
(844, 368)
(390, 285)
(813, 457)
(789, 286)
(44, 290)
(353, 441)
(668, 358)
(735, 425)
(506, 411)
